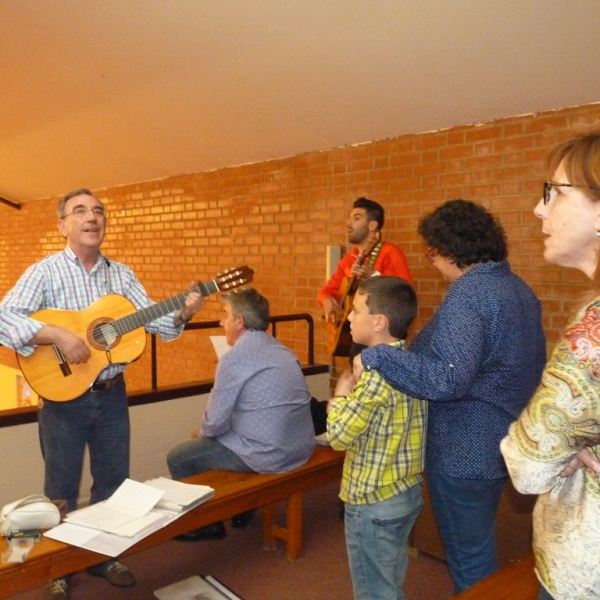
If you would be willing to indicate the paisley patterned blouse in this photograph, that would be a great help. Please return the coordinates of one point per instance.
(562, 418)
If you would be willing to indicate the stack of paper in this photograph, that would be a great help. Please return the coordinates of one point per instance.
(126, 512)
(128, 516)
(180, 496)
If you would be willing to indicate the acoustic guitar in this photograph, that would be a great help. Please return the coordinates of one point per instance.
(112, 330)
(339, 339)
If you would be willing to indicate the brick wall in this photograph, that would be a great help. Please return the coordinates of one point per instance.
(278, 216)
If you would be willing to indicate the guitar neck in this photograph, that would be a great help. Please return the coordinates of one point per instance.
(372, 251)
(160, 309)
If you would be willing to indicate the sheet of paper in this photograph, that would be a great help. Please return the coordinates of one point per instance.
(220, 345)
(71, 534)
(103, 542)
(100, 516)
(91, 539)
(139, 526)
(131, 501)
(178, 492)
(134, 498)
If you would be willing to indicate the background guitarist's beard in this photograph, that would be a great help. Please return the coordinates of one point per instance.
(358, 236)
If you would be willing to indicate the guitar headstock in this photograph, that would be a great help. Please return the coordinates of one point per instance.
(374, 238)
(234, 278)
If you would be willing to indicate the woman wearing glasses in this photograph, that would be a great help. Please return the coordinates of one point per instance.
(563, 417)
(477, 361)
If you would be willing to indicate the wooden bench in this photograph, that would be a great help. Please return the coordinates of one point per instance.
(234, 493)
(515, 581)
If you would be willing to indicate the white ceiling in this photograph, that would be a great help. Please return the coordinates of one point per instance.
(99, 93)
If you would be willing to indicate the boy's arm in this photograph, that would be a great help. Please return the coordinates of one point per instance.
(343, 387)
(350, 416)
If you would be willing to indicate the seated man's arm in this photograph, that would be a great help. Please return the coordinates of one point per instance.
(221, 404)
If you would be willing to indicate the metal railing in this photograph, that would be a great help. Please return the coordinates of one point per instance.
(215, 325)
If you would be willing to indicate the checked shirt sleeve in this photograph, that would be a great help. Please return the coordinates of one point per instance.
(16, 327)
(351, 416)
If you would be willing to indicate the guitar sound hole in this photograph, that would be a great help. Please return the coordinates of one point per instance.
(105, 335)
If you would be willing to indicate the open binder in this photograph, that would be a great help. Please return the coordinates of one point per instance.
(196, 588)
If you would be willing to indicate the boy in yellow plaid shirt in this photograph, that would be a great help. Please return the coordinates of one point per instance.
(383, 432)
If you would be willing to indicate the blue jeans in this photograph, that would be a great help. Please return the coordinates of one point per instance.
(99, 420)
(465, 511)
(202, 454)
(377, 544)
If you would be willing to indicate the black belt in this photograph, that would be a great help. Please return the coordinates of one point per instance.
(106, 384)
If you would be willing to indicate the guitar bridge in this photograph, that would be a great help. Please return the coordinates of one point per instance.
(62, 363)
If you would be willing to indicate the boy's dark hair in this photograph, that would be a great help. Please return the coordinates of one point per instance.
(465, 232)
(393, 297)
(374, 210)
(247, 303)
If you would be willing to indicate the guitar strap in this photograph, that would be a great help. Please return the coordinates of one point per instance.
(372, 258)
(375, 253)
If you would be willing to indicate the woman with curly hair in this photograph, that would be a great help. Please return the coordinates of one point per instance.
(560, 427)
(477, 361)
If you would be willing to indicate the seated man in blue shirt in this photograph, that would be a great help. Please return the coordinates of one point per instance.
(258, 416)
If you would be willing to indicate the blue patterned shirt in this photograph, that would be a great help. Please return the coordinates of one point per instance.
(478, 361)
(259, 407)
(61, 281)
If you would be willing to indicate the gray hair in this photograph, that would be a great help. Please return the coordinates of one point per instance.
(60, 209)
(247, 303)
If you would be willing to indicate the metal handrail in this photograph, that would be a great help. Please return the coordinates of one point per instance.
(215, 324)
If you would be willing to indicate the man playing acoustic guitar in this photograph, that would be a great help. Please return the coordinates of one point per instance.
(370, 257)
(72, 280)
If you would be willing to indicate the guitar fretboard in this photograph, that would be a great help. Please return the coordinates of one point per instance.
(160, 309)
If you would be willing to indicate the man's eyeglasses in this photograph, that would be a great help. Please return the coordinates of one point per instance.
(548, 185)
(81, 211)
